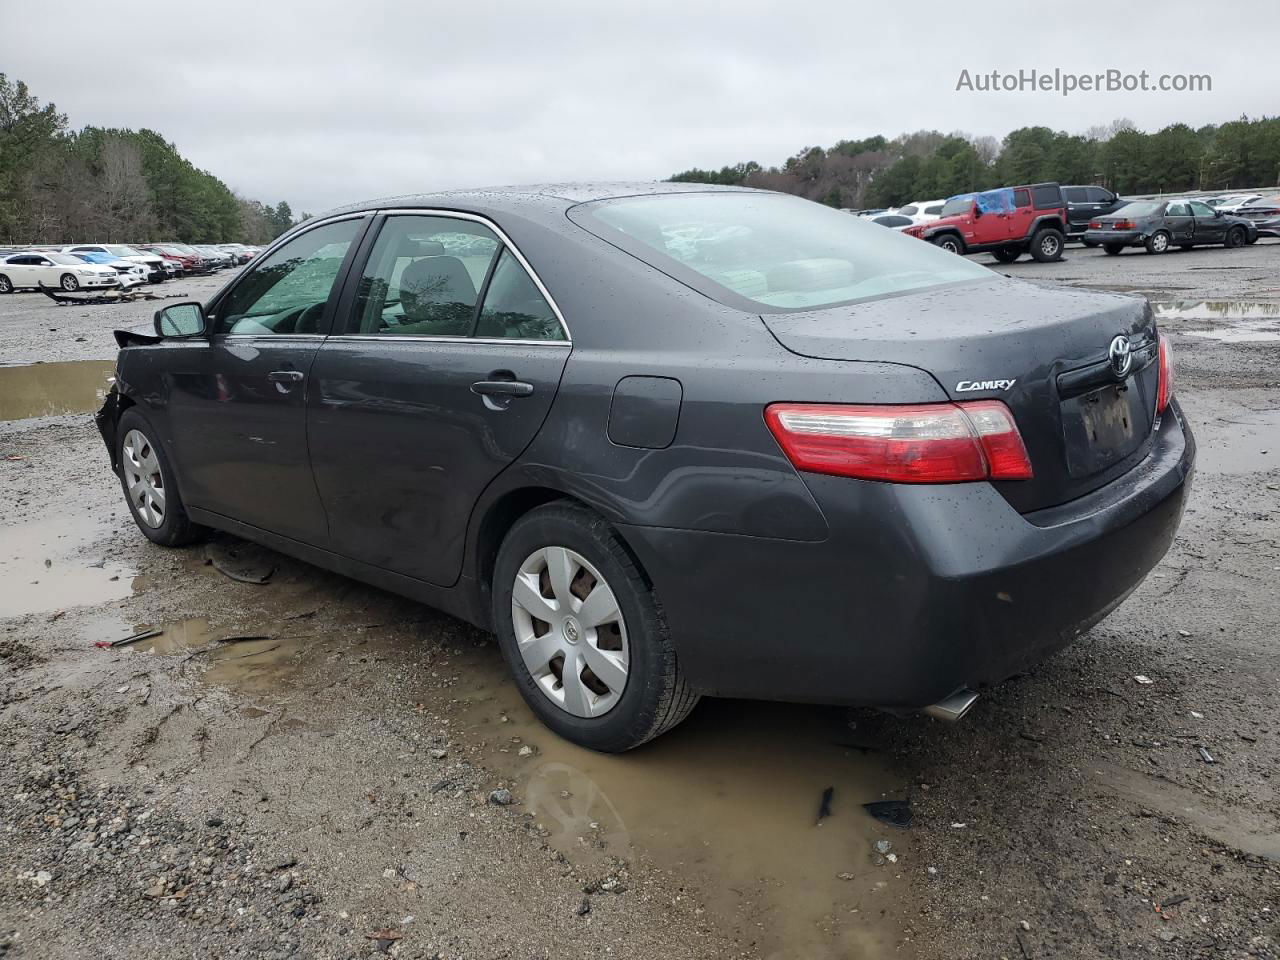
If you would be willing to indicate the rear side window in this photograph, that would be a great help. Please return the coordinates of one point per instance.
(514, 308)
(934, 210)
(1022, 198)
(1175, 210)
(424, 277)
(1047, 197)
(752, 250)
(907, 211)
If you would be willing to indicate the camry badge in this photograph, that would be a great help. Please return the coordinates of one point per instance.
(1120, 356)
(965, 386)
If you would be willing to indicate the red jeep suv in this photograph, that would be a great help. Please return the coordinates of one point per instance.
(1008, 221)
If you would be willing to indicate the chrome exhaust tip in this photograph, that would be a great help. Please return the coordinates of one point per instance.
(953, 707)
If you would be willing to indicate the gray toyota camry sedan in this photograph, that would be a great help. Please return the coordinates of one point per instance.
(670, 440)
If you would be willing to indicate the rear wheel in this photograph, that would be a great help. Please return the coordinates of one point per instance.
(1006, 254)
(1046, 245)
(1090, 243)
(70, 283)
(583, 633)
(147, 479)
(1113, 249)
(6, 285)
(949, 242)
(1235, 238)
(1158, 242)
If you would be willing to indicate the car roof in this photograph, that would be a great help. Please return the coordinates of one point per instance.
(548, 196)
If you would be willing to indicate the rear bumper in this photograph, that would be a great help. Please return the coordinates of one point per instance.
(918, 591)
(1126, 237)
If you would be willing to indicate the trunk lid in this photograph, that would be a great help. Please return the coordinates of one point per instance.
(1043, 351)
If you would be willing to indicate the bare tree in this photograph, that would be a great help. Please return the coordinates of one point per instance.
(125, 200)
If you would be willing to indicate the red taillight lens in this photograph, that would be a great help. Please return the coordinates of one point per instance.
(1164, 392)
(1095, 224)
(921, 443)
(1124, 225)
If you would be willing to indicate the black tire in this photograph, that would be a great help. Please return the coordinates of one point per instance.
(656, 696)
(1235, 238)
(1046, 245)
(176, 528)
(1158, 242)
(1090, 243)
(69, 283)
(949, 242)
(1114, 249)
(6, 285)
(1006, 254)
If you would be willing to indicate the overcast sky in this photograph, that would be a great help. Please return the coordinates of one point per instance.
(321, 102)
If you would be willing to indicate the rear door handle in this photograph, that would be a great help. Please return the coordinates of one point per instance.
(286, 376)
(506, 389)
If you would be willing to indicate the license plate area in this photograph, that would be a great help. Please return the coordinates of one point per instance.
(1103, 427)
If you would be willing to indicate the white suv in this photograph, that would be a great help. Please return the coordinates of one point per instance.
(124, 252)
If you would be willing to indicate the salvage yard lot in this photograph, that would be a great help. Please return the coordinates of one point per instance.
(343, 776)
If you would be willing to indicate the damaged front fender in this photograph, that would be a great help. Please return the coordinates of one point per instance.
(106, 419)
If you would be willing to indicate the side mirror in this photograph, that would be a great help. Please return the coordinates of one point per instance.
(181, 320)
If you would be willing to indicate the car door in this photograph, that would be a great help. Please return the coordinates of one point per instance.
(44, 272)
(1210, 226)
(1179, 222)
(236, 399)
(21, 270)
(440, 375)
(1021, 215)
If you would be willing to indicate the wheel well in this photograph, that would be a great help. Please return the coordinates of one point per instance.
(502, 516)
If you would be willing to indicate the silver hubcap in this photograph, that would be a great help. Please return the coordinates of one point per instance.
(144, 479)
(1049, 246)
(569, 631)
(68, 283)
(1160, 242)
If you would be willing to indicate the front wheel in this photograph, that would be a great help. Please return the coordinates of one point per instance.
(949, 242)
(1158, 242)
(583, 633)
(1046, 245)
(1235, 238)
(6, 285)
(1113, 249)
(70, 283)
(1006, 254)
(147, 479)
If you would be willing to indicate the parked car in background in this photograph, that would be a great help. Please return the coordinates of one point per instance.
(1264, 214)
(860, 470)
(894, 221)
(239, 251)
(1231, 204)
(920, 211)
(1158, 225)
(1085, 204)
(189, 260)
(130, 272)
(1008, 222)
(124, 252)
(34, 269)
(215, 258)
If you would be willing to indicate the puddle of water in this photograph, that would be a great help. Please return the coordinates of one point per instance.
(1230, 321)
(730, 798)
(41, 569)
(1233, 438)
(51, 389)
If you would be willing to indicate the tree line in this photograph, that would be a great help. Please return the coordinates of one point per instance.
(878, 172)
(109, 185)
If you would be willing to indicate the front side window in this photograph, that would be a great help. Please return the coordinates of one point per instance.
(424, 277)
(958, 205)
(288, 291)
(1201, 209)
(1075, 194)
(752, 250)
(514, 308)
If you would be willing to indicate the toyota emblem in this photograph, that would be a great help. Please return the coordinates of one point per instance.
(1120, 356)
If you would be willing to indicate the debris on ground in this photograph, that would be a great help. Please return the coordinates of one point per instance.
(584, 907)
(251, 575)
(502, 797)
(824, 805)
(132, 638)
(1143, 680)
(896, 813)
(1206, 756)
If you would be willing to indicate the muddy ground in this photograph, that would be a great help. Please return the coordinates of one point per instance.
(330, 789)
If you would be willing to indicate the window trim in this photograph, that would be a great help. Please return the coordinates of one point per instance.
(503, 240)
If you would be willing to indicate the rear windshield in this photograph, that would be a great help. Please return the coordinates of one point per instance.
(1137, 210)
(753, 250)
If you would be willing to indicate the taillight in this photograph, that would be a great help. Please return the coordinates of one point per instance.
(1095, 224)
(1164, 393)
(919, 443)
(1124, 225)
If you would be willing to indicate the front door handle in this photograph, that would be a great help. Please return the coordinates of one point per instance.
(506, 389)
(285, 376)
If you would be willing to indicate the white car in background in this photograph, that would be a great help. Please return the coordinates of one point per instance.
(920, 211)
(1233, 203)
(32, 269)
(124, 252)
